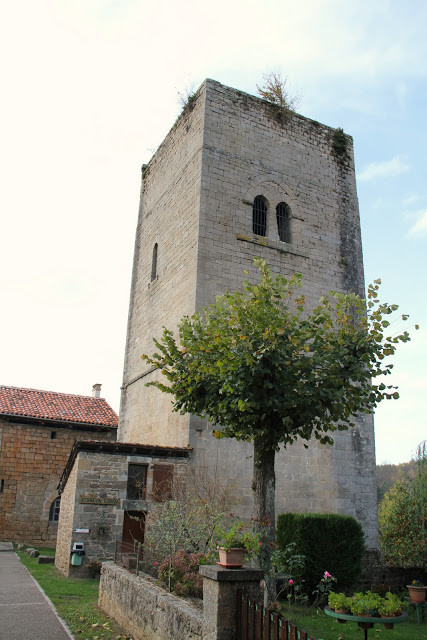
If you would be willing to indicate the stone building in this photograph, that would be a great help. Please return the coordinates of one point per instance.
(37, 432)
(106, 490)
(236, 178)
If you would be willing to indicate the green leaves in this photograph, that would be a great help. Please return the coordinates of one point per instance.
(256, 364)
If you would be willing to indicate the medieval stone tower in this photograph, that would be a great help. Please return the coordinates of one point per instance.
(232, 180)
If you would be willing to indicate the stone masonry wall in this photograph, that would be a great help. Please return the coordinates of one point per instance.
(95, 498)
(94, 476)
(168, 217)
(247, 152)
(145, 610)
(32, 458)
(66, 522)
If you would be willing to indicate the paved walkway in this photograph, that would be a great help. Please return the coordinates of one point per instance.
(25, 612)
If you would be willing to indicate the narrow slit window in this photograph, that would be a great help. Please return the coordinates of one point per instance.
(283, 214)
(154, 263)
(259, 216)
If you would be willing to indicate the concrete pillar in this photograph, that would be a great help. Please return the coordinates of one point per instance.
(220, 587)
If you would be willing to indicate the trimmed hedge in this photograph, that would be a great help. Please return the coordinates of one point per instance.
(329, 542)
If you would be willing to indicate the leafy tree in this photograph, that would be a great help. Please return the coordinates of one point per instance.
(264, 371)
(402, 518)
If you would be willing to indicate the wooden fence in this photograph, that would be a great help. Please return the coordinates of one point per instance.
(255, 622)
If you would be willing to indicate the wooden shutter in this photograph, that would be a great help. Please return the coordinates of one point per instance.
(162, 482)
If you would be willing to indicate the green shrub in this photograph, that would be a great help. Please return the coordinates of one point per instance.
(329, 542)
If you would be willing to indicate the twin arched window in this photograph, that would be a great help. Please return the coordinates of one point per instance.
(283, 215)
(259, 218)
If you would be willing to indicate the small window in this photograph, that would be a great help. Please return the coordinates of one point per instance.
(2, 485)
(52, 435)
(54, 510)
(154, 263)
(259, 216)
(137, 481)
(283, 214)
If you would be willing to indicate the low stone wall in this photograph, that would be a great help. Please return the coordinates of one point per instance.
(145, 610)
(375, 573)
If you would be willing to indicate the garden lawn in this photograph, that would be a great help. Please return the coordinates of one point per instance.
(75, 599)
(323, 627)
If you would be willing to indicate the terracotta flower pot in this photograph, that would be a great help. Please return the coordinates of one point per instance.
(231, 558)
(388, 625)
(417, 594)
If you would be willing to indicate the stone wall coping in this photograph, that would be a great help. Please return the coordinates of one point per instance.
(222, 574)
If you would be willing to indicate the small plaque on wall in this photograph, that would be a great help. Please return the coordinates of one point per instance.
(97, 500)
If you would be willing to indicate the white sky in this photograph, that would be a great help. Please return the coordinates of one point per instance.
(89, 90)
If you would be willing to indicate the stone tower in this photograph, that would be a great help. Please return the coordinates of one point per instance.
(233, 180)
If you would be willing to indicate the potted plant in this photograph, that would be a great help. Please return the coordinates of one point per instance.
(365, 604)
(389, 607)
(339, 602)
(235, 543)
(417, 591)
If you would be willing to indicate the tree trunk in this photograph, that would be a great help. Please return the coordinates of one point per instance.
(264, 513)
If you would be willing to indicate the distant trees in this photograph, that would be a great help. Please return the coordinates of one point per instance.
(388, 474)
(402, 518)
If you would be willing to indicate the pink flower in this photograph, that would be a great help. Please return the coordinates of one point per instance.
(327, 575)
(155, 563)
(291, 582)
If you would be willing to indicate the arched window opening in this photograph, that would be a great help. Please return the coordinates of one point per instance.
(154, 263)
(54, 510)
(259, 216)
(283, 214)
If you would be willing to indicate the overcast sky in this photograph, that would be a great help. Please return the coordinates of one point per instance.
(89, 90)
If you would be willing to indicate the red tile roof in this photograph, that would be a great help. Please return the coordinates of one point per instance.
(50, 405)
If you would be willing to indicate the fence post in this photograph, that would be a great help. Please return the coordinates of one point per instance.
(220, 587)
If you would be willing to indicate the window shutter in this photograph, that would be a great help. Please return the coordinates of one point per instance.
(162, 482)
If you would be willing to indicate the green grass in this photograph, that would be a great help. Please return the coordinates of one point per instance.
(75, 599)
(323, 627)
